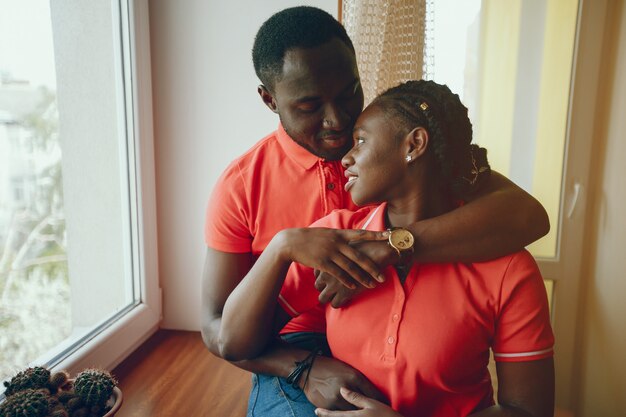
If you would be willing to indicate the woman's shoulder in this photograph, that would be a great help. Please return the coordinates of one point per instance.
(521, 258)
(517, 264)
(346, 218)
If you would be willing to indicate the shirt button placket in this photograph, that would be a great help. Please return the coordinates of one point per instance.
(333, 195)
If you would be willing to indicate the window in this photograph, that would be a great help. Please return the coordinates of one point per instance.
(511, 63)
(78, 277)
(528, 71)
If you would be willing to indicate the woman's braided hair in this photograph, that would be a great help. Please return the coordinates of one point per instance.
(463, 165)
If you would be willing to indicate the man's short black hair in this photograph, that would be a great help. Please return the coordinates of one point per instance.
(295, 27)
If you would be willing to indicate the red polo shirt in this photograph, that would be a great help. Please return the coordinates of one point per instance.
(425, 344)
(275, 185)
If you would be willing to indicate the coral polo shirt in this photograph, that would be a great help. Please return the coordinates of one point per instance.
(425, 344)
(275, 185)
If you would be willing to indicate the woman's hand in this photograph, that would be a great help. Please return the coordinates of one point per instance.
(366, 407)
(330, 250)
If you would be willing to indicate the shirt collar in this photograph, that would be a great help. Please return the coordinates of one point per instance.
(376, 219)
(300, 155)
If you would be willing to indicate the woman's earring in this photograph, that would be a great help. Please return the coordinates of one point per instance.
(408, 158)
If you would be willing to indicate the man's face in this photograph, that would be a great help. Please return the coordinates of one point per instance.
(319, 97)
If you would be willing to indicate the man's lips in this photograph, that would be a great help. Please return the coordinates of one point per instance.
(336, 140)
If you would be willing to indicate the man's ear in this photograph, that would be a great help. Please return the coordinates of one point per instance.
(267, 98)
(416, 142)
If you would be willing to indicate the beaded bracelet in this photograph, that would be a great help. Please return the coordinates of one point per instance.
(305, 365)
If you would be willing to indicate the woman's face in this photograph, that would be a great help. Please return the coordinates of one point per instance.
(376, 164)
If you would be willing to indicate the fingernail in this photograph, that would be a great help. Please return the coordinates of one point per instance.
(380, 278)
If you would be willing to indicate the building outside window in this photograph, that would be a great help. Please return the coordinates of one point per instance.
(72, 221)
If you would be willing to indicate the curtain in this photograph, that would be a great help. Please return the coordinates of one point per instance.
(390, 40)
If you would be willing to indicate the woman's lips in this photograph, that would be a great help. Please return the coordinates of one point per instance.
(350, 183)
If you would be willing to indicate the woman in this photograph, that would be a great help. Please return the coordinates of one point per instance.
(423, 336)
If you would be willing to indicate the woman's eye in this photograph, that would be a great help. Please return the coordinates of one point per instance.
(359, 141)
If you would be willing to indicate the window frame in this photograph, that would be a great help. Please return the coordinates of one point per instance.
(124, 332)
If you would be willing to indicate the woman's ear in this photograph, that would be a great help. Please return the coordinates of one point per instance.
(268, 98)
(416, 143)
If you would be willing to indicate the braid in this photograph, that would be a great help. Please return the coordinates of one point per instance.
(463, 166)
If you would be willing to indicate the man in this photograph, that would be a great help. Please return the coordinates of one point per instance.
(307, 66)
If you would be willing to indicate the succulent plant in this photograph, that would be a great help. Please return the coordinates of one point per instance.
(31, 378)
(94, 387)
(29, 403)
(34, 392)
(58, 380)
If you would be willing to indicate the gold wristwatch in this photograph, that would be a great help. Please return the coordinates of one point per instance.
(401, 240)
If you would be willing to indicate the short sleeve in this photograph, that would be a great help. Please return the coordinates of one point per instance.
(227, 215)
(298, 293)
(523, 331)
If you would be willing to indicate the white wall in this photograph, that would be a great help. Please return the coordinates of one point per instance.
(206, 112)
(602, 376)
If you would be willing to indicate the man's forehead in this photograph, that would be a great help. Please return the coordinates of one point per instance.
(317, 71)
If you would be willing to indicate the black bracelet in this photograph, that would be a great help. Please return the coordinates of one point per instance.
(301, 366)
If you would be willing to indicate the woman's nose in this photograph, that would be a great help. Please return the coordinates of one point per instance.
(347, 160)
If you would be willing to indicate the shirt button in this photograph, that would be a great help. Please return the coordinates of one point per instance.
(390, 340)
(395, 317)
(331, 186)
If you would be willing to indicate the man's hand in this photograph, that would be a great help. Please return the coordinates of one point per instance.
(330, 250)
(366, 407)
(327, 376)
(333, 291)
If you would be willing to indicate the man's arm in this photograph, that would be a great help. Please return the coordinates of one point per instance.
(500, 219)
(222, 272)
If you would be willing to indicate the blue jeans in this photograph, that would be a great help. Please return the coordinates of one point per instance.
(272, 396)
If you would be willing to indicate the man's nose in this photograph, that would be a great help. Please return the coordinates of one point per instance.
(335, 118)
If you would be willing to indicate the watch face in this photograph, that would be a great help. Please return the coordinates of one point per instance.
(401, 239)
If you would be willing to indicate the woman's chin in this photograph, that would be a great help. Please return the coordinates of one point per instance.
(361, 201)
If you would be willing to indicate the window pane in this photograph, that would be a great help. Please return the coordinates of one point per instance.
(511, 64)
(65, 213)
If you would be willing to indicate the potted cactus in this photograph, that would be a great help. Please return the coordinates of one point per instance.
(36, 392)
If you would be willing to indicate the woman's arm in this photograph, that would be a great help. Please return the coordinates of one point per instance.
(525, 389)
(248, 319)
